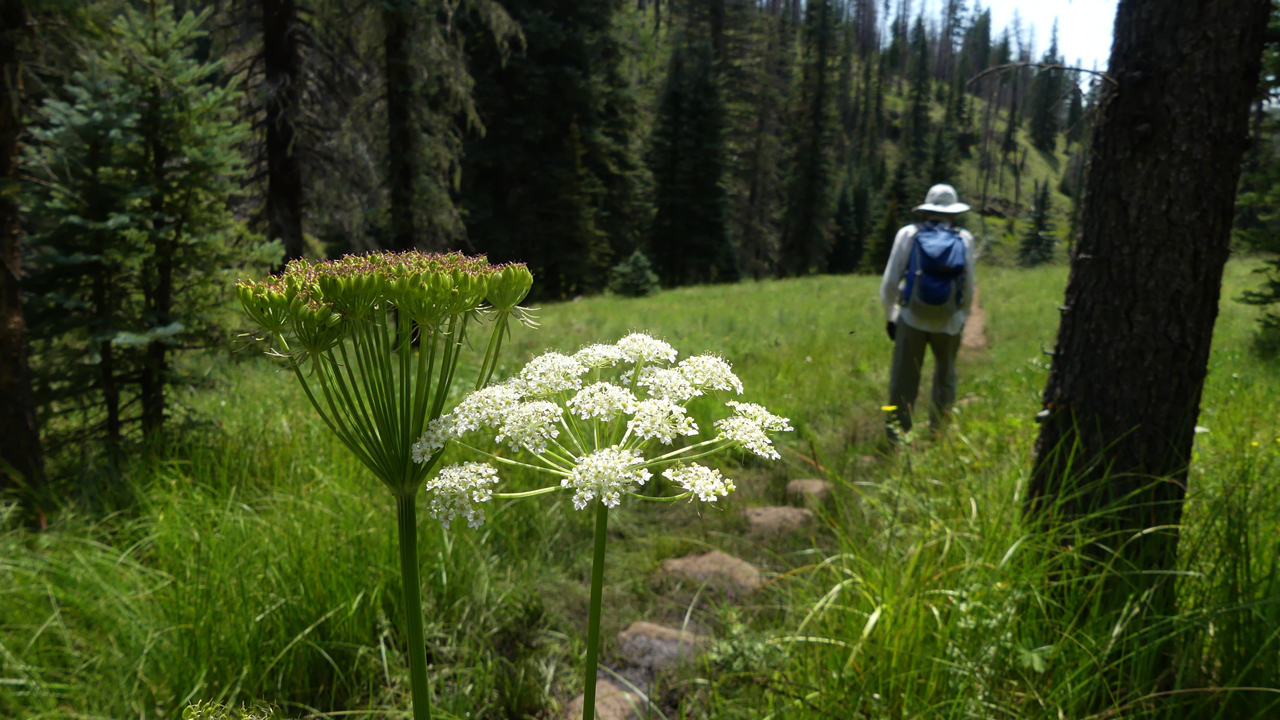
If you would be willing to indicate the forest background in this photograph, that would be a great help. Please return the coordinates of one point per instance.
(165, 149)
(611, 146)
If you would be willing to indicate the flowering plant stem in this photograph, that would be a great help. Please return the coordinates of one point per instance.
(419, 684)
(593, 616)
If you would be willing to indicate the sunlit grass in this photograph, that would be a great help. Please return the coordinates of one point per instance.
(250, 564)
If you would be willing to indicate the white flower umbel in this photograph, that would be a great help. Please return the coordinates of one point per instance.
(530, 425)
(667, 384)
(602, 401)
(747, 433)
(458, 489)
(708, 372)
(486, 407)
(550, 374)
(599, 436)
(759, 415)
(704, 482)
(641, 348)
(599, 356)
(597, 439)
(439, 432)
(661, 419)
(606, 474)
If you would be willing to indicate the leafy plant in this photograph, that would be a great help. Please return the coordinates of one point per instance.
(353, 324)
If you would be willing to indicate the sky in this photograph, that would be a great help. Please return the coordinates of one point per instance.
(1084, 26)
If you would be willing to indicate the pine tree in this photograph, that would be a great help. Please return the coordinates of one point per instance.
(554, 142)
(690, 238)
(1046, 91)
(916, 132)
(141, 185)
(806, 231)
(1037, 242)
(756, 84)
(846, 250)
(890, 220)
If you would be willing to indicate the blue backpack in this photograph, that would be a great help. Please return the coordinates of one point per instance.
(937, 263)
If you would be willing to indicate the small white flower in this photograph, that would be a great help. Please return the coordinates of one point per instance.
(438, 432)
(530, 425)
(709, 371)
(485, 407)
(667, 384)
(605, 474)
(551, 373)
(603, 401)
(747, 433)
(638, 347)
(758, 414)
(662, 419)
(599, 356)
(458, 488)
(704, 482)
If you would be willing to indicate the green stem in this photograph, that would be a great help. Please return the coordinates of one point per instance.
(408, 524)
(593, 618)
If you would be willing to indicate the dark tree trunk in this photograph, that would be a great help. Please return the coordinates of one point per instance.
(397, 19)
(19, 437)
(1124, 389)
(281, 83)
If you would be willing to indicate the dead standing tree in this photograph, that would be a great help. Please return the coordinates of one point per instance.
(1124, 389)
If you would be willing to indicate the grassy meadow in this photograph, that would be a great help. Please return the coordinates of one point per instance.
(252, 558)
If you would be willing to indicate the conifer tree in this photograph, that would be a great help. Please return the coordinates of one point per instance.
(1046, 91)
(916, 132)
(806, 231)
(1037, 243)
(846, 249)
(152, 169)
(758, 86)
(1075, 113)
(558, 153)
(690, 237)
(890, 219)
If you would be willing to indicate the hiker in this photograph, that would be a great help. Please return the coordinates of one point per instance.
(927, 291)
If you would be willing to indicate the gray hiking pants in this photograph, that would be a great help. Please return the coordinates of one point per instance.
(904, 376)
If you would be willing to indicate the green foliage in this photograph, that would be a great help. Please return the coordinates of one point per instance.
(1036, 247)
(555, 180)
(250, 548)
(806, 231)
(688, 158)
(217, 711)
(134, 238)
(1045, 97)
(634, 277)
(851, 229)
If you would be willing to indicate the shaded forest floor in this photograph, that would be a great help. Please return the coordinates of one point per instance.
(254, 559)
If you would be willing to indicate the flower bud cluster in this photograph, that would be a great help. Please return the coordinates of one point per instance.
(316, 302)
(589, 418)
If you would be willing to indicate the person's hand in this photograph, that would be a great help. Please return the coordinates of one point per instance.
(892, 329)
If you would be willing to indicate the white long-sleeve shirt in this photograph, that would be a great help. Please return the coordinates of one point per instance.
(894, 272)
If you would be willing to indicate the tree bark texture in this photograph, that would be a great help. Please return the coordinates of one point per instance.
(282, 85)
(397, 17)
(1131, 357)
(19, 435)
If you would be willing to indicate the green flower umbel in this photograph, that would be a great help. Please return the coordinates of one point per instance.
(374, 340)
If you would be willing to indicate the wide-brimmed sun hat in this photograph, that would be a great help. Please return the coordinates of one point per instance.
(942, 199)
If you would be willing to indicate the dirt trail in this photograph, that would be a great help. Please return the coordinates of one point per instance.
(974, 338)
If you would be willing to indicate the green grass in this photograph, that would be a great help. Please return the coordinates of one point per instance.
(254, 559)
